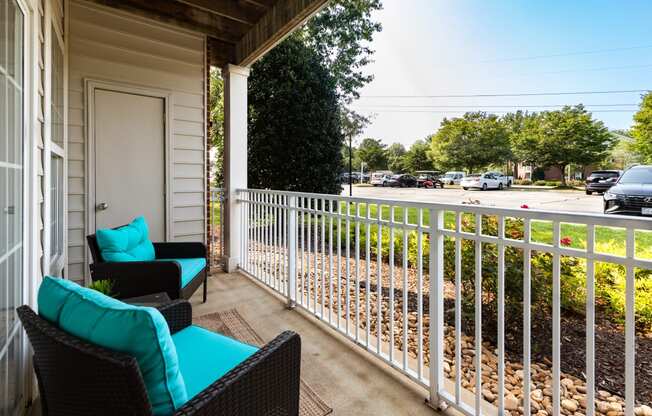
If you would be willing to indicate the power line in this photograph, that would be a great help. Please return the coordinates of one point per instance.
(487, 106)
(462, 111)
(522, 94)
(559, 55)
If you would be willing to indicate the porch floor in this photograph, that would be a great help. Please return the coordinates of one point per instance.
(347, 378)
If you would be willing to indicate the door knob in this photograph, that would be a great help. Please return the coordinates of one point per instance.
(102, 206)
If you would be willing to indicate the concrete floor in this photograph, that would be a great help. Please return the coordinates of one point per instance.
(548, 199)
(347, 378)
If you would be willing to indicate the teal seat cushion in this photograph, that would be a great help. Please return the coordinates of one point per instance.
(189, 268)
(141, 332)
(127, 243)
(206, 356)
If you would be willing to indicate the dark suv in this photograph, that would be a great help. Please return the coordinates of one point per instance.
(601, 180)
(402, 181)
(632, 194)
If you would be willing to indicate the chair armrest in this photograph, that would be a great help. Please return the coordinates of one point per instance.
(138, 278)
(180, 250)
(178, 314)
(267, 383)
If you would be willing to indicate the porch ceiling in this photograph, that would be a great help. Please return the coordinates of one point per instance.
(239, 31)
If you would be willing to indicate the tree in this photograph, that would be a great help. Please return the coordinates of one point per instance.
(216, 130)
(295, 131)
(473, 141)
(372, 153)
(395, 153)
(341, 34)
(417, 157)
(559, 138)
(642, 130)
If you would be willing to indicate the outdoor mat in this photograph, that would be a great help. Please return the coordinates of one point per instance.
(230, 323)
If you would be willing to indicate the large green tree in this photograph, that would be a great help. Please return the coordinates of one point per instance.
(295, 132)
(417, 157)
(561, 137)
(395, 153)
(341, 34)
(642, 130)
(372, 153)
(471, 142)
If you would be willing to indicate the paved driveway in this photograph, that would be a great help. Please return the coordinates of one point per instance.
(575, 201)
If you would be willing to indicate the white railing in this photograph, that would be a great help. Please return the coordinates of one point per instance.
(216, 223)
(317, 251)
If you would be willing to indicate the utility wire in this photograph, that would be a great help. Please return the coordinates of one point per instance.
(558, 55)
(486, 106)
(522, 94)
(462, 111)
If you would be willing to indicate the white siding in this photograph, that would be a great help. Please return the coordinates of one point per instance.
(114, 46)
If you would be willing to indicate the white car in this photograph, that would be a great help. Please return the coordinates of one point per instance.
(452, 178)
(506, 180)
(381, 178)
(489, 180)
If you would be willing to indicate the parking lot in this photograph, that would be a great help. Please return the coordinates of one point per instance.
(549, 199)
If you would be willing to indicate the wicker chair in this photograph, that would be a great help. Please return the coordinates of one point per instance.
(78, 378)
(138, 278)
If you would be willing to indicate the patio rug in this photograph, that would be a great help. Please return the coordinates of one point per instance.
(230, 323)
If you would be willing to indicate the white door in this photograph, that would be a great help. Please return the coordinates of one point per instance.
(129, 160)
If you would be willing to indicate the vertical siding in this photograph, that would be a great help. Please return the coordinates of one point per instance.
(114, 46)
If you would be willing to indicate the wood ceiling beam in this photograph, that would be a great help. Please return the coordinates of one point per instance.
(221, 53)
(183, 15)
(273, 27)
(243, 12)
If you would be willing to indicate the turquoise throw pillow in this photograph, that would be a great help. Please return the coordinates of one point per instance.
(127, 243)
(141, 332)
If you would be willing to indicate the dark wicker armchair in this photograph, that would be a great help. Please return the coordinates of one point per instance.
(78, 378)
(138, 278)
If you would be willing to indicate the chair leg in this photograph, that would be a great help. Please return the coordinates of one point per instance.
(205, 287)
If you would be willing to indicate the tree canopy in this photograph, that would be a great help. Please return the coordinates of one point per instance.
(562, 137)
(642, 130)
(395, 157)
(295, 132)
(417, 157)
(372, 153)
(473, 141)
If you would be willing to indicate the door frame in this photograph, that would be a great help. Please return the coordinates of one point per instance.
(90, 86)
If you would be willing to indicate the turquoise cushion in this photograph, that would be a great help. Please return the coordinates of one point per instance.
(205, 356)
(127, 243)
(189, 268)
(138, 331)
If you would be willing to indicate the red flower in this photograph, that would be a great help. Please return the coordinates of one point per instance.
(566, 241)
(524, 206)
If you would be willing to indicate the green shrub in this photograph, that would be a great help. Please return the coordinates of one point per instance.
(522, 182)
(102, 286)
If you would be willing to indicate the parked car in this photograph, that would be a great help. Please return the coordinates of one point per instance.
(507, 181)
(381, 177)
(453, 177)
(429, 181)
(601, 180)
(402, 181)
(631, 194)
(344, 178)
(484, 181)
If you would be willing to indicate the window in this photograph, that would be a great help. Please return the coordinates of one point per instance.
(56, 104)
(56, 211)
(55, 181)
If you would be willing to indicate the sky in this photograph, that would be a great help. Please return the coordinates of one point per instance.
(476, 47)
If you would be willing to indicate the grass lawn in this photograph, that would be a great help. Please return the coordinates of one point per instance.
(608, 240)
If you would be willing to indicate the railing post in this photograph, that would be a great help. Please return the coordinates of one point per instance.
(291, 224)
(436, 306)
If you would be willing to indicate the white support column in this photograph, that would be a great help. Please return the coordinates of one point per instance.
(235, 157)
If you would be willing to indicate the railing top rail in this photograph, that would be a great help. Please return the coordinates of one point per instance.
(532, 214)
